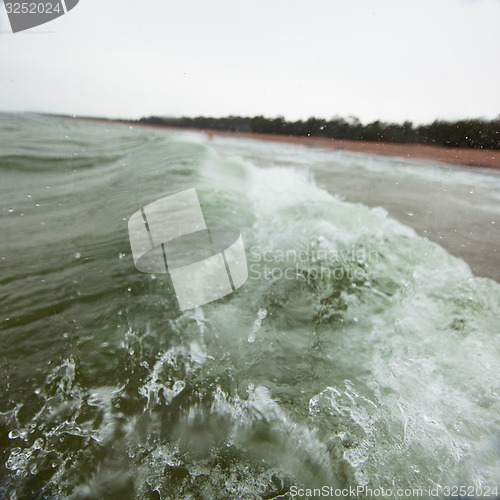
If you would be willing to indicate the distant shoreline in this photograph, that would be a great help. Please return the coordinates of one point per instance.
(463, 157)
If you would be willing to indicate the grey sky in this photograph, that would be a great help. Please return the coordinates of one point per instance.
(387, 59)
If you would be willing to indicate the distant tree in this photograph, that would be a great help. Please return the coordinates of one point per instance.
(462, 133)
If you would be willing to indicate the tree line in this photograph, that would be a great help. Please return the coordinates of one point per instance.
(472, 133)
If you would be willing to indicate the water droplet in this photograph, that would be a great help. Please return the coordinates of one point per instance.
(179, 386)
(14, 434)
(38, 444)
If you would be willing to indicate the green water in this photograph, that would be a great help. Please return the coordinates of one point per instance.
(357, 354)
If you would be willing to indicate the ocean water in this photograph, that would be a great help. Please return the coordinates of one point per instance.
(363, 351)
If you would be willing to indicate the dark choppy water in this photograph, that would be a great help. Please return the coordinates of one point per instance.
(357, 354)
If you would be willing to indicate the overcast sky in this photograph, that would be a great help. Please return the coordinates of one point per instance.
(374, 59)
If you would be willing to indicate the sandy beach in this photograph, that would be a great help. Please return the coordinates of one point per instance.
(482, 158)
(465, 157)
